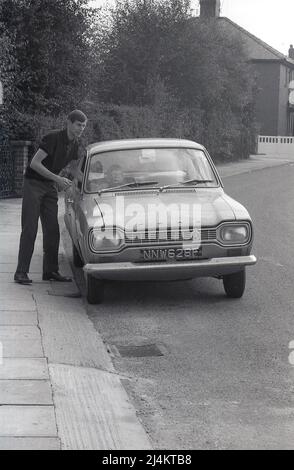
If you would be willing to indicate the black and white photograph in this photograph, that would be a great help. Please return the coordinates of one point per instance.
(146, 228)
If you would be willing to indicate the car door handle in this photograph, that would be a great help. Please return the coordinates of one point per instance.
(70, 201)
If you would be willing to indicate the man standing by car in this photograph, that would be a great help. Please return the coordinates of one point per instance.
(56, 150)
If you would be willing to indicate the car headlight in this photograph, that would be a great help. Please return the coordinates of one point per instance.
(106, 239)
(234, 234)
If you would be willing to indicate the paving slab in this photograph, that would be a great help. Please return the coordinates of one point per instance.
(13, 288)
(21, 348)
(63, 289)
(18, 318)
(25, 392)
(7, 278)
(30, 421)
(11, 257)
(9, 238)
(23, 305)
(67, 334)
(29, 443)
(24, 368)
(93, 411)
(15, 292)
(11, 217)
(11, 229)
(36, 276)
(9, 268)
(23, 332)
(41, 287)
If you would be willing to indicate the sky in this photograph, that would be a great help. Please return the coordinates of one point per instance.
(270, 20)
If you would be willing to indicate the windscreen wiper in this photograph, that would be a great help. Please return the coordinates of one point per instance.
(133, 184)
(193, 181)
(196, 181)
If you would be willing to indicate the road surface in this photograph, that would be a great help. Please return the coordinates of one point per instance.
(204, 371)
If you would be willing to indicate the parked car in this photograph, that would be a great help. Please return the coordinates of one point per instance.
(155, 209)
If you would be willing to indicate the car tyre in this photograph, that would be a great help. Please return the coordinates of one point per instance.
(95, 290)
(77, 260)
(234, 284)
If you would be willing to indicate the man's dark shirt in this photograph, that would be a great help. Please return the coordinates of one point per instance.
(60, 151)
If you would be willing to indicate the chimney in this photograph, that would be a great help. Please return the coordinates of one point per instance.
(209, 8)
(291, 52)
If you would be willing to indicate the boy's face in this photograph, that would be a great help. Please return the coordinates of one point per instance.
(76, 128)
(116, 176)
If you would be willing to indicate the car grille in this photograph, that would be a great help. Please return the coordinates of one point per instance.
(149, 237)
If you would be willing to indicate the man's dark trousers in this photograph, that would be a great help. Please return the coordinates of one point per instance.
(40, 199)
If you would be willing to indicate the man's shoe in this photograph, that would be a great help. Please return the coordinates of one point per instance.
(55, 276)
(22, 278)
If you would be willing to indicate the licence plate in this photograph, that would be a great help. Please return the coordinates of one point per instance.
(171, 254)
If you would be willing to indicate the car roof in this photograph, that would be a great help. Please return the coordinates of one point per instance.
(141, 143)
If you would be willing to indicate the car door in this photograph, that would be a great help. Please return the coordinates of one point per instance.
(73, 197)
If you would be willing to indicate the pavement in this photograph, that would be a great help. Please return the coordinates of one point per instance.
(58, 385)
(254, 163)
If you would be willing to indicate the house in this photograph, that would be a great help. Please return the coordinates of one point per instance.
(274, 72)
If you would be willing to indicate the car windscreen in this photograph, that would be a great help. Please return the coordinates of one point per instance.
(156, 167)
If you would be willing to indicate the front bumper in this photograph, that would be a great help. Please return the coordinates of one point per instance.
(167, 270)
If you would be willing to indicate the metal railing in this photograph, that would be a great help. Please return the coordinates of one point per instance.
(276, 145)
(6, 167)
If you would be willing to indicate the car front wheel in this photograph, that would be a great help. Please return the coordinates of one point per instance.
(95, 290)
(234, 284)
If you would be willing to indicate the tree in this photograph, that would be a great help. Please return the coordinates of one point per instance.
(185, 74)
(8, 68)
(212, 72)
(133, 47)
(204, 71)
(51, 47)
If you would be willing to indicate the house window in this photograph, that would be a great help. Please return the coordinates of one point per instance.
(289, 76)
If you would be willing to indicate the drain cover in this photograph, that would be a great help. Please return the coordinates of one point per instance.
(145, 350)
